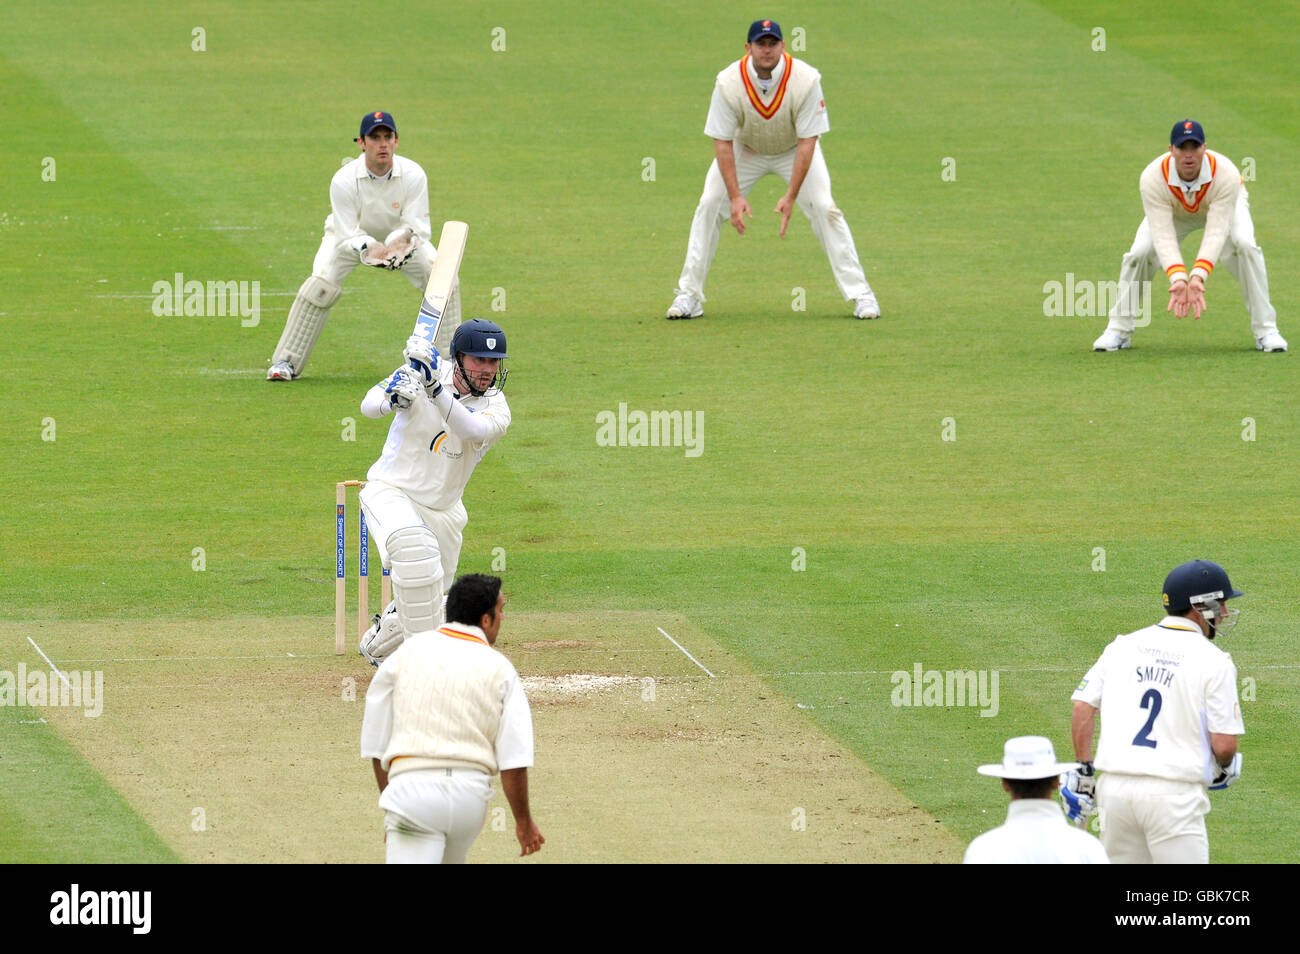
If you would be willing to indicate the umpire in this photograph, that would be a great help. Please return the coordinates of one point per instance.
(445, 713)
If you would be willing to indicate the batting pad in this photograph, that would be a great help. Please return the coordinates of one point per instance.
(417, 578)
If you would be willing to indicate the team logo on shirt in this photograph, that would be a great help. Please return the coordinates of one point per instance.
(436, 444)
(1081, 685)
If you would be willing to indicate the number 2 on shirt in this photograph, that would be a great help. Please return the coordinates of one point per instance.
(1150, 700)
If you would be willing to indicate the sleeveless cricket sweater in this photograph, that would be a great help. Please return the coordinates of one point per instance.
(767, 122)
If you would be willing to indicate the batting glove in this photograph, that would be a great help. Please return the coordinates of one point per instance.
(1227, 774)
(1078, 793)
(423, 357)
(402, 387)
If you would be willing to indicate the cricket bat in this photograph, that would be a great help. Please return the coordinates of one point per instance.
(442, 279)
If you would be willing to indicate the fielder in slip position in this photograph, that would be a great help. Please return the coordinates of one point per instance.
(412, 497)
(1170, 719)
(767, 116)
(1186, 189)
(444, 714)
(378, 193)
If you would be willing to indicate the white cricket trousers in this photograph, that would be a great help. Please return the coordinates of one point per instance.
(1241, 256)
(388, 510)
(814, 201)
(432, 816)
(1148, 820)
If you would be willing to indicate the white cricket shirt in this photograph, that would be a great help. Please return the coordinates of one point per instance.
(1035, 833)
(424, 456)
(1161, 691)
(366, 209)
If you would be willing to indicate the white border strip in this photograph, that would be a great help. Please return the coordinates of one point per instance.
(683, 649)
(50, 664)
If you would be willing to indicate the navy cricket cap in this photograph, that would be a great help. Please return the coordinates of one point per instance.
(1189, 130)
(764, 28)
(370, 120)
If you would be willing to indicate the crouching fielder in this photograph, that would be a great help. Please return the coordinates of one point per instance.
(377, 193)
(447, 416)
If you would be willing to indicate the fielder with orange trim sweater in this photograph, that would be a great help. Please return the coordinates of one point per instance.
(766, 117)
(444, 713)
(1191, 188)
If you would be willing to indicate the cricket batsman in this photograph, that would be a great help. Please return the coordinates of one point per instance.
(412, 497)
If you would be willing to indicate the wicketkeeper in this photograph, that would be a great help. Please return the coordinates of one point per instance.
(378, 193)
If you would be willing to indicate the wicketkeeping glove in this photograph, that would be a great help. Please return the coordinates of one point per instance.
(1078, 793)
(1227, 774)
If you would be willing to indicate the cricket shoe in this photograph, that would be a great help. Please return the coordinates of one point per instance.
(1271, 342)
(281, 371)
(1111, 341)
(866, 307)
(685, 306)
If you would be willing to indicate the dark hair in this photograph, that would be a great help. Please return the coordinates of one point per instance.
(472, 597)
(1033, 787)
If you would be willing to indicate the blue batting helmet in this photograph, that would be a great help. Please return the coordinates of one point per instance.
(1196, 583)
(479, 338)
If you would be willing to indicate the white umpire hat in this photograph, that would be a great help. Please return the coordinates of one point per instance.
(1027, 757)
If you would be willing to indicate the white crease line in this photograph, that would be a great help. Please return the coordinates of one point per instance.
(683, 649)
(47, 660)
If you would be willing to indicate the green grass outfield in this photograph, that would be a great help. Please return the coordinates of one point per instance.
(823, 439)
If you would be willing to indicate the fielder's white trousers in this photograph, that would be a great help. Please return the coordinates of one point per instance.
(388, 510)
(1241, 256)
(1148, 820)
(432, 816)
(814, 201)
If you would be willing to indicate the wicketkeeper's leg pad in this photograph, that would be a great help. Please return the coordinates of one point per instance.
(307, 316)
(417, 578)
